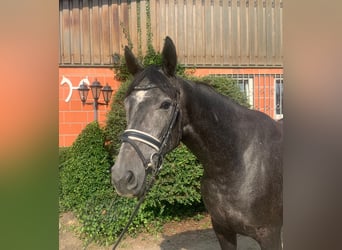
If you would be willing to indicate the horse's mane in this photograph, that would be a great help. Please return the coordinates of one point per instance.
(212, 94)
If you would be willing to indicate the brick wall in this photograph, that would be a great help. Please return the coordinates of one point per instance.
(73, 116)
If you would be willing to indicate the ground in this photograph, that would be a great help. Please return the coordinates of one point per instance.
(183, 235)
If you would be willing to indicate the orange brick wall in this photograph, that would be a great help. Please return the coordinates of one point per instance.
(73, 116)
(264, 94)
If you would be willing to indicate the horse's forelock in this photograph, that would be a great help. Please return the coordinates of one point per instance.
(155, 77)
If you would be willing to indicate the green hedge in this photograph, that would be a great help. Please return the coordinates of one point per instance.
(86, 190)
(84, 170)
(85, 186)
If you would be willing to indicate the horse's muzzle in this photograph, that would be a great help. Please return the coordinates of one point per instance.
(125, 184)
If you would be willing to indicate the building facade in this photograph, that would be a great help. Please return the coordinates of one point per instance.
(233, 38)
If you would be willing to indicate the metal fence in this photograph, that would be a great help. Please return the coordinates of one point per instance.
(208, 33)
(264, 92)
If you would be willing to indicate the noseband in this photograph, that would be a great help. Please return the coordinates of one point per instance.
(131, 136)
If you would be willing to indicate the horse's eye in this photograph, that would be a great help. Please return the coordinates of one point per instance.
(165, 105)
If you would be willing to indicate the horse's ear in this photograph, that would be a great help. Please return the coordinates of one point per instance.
(131, 62)
(169, 56)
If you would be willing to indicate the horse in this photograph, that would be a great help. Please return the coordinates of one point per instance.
(240, 149)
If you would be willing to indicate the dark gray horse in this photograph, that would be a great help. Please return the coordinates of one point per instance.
(240, 149)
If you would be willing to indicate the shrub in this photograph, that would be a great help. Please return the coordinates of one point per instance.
(116, 119)
(104, 215)
(85, 170)
(85, 186)
(177, 189)
(85, 178)
(63, 155)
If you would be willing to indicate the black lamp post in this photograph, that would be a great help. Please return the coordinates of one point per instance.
(96, 89)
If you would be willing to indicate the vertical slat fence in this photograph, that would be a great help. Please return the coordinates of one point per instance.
(210, 33)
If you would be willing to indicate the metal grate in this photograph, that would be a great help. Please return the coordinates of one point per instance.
(264, 92)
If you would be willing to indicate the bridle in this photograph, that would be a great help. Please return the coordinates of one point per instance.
(154, 164)
(131, 136)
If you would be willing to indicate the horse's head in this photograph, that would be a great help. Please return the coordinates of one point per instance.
(153, 121)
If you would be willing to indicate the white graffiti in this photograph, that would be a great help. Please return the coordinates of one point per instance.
(71, 88)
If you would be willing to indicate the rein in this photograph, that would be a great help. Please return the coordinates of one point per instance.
(152, 165)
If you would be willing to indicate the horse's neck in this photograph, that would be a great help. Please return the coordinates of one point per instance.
(207, 124)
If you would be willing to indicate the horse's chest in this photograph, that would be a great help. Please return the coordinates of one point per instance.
(224, 205)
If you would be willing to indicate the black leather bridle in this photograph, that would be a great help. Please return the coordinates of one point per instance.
(131, 136)
(154, 164)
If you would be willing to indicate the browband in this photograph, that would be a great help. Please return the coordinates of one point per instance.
(145, 87)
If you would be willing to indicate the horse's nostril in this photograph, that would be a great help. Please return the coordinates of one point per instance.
(130, 177)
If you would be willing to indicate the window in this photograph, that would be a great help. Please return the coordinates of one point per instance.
(279, 88)
(246, 86)
(245, 83)
(267, 94)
